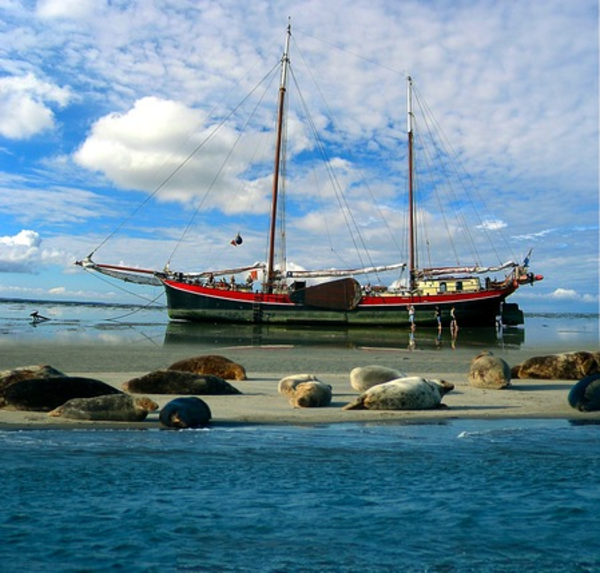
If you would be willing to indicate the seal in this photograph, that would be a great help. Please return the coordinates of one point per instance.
(489, 372)
(305, 391)
(179, 382)
(45, 394)
(187, 412)
(564, 366)
(110, 408)
(8, 377)
(365, 377)
(287, 385)
(411, 393)
(212, 364)
(314, 394)
(585, 395)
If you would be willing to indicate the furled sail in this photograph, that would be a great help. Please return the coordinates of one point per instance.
(343, 272)
(439, 271)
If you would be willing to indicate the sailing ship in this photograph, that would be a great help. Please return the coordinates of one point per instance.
(334, 296)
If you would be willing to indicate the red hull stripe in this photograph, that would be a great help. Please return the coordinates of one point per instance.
(366, 302)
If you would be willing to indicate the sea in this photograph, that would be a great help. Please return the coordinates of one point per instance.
(451, 496)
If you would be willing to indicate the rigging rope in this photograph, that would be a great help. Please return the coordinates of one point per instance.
(220, 170)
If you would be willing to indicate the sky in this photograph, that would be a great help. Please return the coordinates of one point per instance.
(102, 100)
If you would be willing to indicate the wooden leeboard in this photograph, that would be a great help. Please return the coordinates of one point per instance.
(342, 294)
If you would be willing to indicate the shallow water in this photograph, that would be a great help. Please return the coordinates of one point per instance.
(120, 324)
(458, 496)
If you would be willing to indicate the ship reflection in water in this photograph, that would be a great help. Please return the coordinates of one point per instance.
(422, 338)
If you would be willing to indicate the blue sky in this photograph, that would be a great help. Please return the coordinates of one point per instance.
(99, 100)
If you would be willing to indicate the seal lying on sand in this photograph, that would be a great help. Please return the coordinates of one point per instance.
(8, 377)
(305, 391)
(177, 382)
(489, 371)
(365, 377)
(212, 364)
(564, 366)
(111, 408)
(188, 412)
(585, 395)
(45, 394)
(412, 393)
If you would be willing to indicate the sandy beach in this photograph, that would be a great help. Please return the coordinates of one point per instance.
(260, 402)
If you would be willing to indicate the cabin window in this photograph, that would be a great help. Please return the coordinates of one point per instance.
(443, 287)
(459, 286)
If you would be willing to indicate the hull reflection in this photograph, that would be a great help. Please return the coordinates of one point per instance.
(264, 335)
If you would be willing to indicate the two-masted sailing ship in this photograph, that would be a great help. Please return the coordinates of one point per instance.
(278, 295)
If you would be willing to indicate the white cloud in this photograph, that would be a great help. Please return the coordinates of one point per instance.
(72, 9)
(25, 105)
(20, 253)
(572, 295)
(23, 253)
(142, 147)
(492, 225)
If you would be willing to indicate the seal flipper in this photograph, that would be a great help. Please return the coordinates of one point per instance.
(357, 404)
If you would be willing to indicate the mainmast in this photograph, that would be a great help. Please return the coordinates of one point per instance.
(411, 206)
(278, 144)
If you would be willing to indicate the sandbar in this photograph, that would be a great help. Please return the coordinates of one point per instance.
(260, 402)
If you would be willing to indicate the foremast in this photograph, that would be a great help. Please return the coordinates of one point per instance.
(270, 279)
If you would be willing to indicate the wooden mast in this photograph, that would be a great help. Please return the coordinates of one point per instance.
(278, 144)
(411, 207)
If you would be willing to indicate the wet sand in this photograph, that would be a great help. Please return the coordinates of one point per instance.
(260, 402)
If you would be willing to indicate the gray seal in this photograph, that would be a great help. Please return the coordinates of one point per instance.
(213, 364)
(489, 372)
(305, 391)
(111, 408)
(585, 395)
(178, 382)
(46, 394)
(411, 393)
(564, 366)
(186, 412)
(365, 377)
(8, 377)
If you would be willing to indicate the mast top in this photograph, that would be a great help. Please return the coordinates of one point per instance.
(409, 111)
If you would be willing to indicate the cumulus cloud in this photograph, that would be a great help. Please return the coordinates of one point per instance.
(20, 253)
(26, 105)
(23, 253)
(143, 146)
(572, 295)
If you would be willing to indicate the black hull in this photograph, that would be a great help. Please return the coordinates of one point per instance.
(219, 307)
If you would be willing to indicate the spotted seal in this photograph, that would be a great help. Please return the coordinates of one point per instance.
(564, 366)
(187, 412)
(585, 395)
(45, 394)
(110, 408)
(489, 372)
(179, 382)
(411, 393)
(365, 377)
(212, 364)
